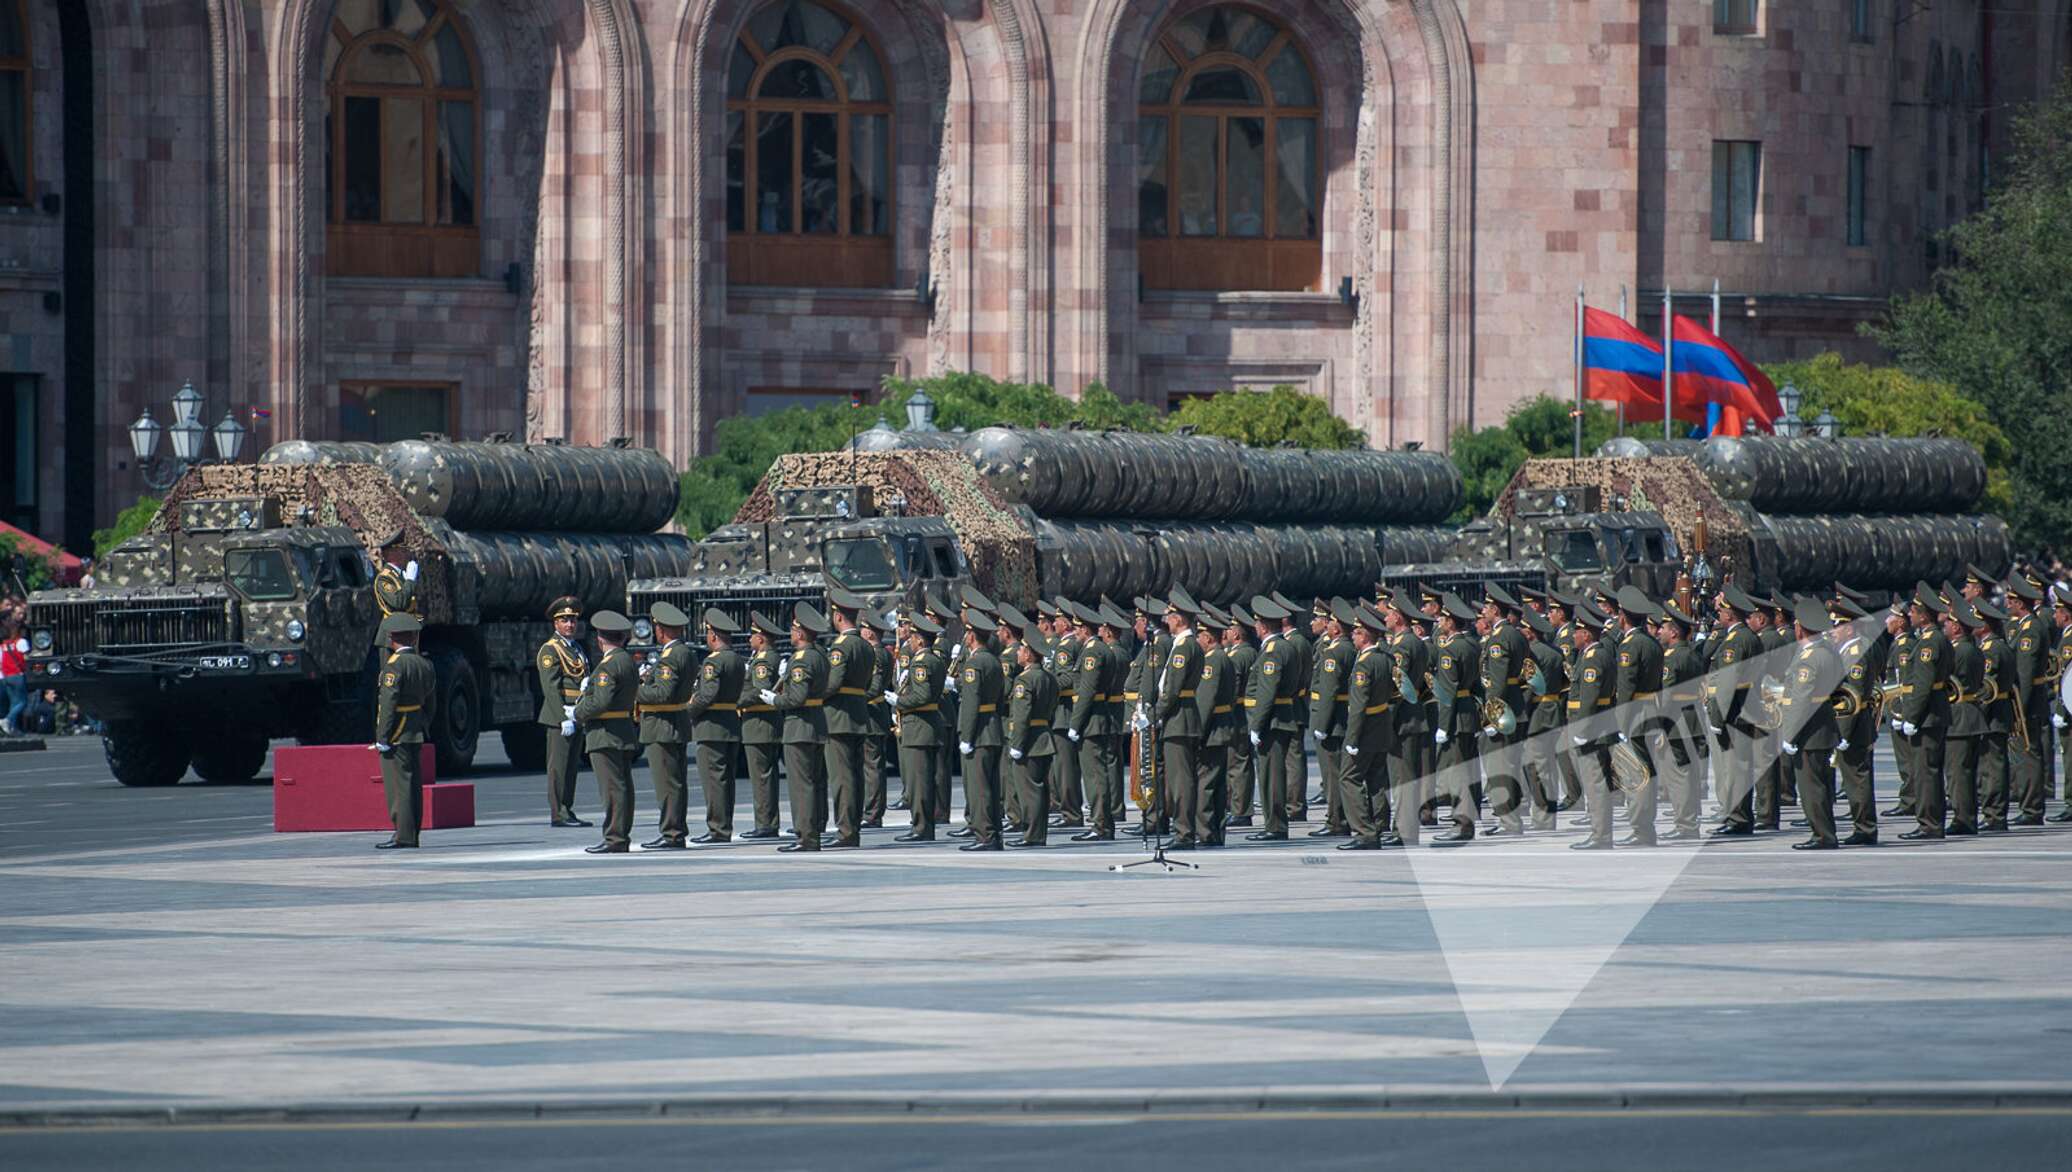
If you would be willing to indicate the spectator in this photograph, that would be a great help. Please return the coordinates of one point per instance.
(14, 669)
(41, 716)
(86, 573)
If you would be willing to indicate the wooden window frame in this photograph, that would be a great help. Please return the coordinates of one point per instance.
(1268, 262)
(1726, 21)
(1724, 233)
(360, 386)
(355, 248)
(25, 66)
(838, 259)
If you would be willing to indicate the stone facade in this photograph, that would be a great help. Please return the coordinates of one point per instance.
(1479, 161)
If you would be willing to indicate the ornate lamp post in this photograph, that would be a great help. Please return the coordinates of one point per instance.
(187, 435)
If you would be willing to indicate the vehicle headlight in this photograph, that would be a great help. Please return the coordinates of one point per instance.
(295, 629)
(273, 659)
(643, 630)
(41, 639)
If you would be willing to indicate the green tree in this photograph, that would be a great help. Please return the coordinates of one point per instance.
(1996, 322)
(128, 523)
(744, 447)
(1265, 420)
(1886, 400)
(37, 571)
(1538, 427)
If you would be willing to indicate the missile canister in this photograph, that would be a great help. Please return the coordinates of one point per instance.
(1631, 447)
(516, 575)
(1848, 475)
(1885, 552)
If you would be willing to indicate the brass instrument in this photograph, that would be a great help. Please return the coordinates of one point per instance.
(1846, 704)
(1630, 772)
(1498, 715)
(2065, 688)
(1404, 688)
(1769, 711)
(1888, 694)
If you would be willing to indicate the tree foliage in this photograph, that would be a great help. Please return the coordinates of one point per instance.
(1258, 420)
(1539, 426)
(1996, 322)
(128, 523)
(744, 447)
(35, 571)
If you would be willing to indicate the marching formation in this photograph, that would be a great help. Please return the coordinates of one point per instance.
(1482, 719)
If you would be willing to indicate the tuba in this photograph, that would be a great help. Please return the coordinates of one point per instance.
(1769, 712)
(1630, 772)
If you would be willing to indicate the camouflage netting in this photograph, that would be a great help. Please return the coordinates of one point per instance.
(1671, 486)
(933, 483)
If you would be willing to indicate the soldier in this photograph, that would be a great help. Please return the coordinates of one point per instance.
(1856, 706)
(401, 714)
(605, 713)
(1997, 707)
(1329, 691)
(1238, 656)
(1770, 634)
(916, 702)
(762, 726)
(1302, 664)
(1967, 718)
(1560, 616)
(395, 583)
(2061, 657)
(1810, 731)
(1369, 740)
(1544, 697)
(1636, 692)
(874, 627)
(851, 663)
(1410, 675)
(1506, 661)
(665, 723)
(1067, 789)
(2035, 690)
(1270, 704)
(980, 683)
(715, 712)
(1923, 715)
(563, 668)
(1726, 707)
(1032, 697)
(1142, 696)
(1457, 658)
(1590, 731)
(1115, 630)
(1680, 768)
(949, 648)
(1178, 720)
(1216, 698)
(1902, 647)
(1089, 732)
(802, 698)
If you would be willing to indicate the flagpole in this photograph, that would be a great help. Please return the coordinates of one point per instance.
(1668, 360)
(1622, 402)
(1715, 307)
(1576, 416)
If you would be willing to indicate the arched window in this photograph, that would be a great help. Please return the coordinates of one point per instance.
(809, 151)
(17, 137)
(1229, 193)
(403, 140)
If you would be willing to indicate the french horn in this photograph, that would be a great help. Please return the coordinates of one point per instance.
(1769, 709)
(1498, 715)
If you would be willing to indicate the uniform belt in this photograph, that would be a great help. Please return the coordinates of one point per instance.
(1187, 693)
(1071, 696)
(1341, 697)
(1643, 695)
(408, 707)
(1684, 696)
(644, 709)
(1129, 695)
(989, 708)
(1514, 680)
(571, 693)
(922, 708)
(615, 715)
(1219, 710)
(1038, 723)
(1463, 693)
(719, 708)
(814, 704)
(1371, 709)
(752, 708)
(852, 691)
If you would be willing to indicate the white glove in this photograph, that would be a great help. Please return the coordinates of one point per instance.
(956, 653)
(381, 748)
(1700, 636)
(1719, 730)
(410, 572)
(783, 665)
(1488, 730)
(1898, 725)
(1911, 729)
(1439, 737)
(1140, 722)
(1576, 740)
(768, 696)
(568, 712)
(645, 668)
(1316, 734)
(568, 728)
(1790, 750)
(1255, 739)
(892, 698)
(949, 684)
(1072, 734)
(964, 747)
(1352, 750)
(586, 684)
(2057, 721)
(1622, 738)
(1014, 754)
(1842, 746)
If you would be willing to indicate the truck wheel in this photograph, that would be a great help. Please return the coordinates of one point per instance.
(456, 711)
(230, 759)
(526, 746)
(140, 754)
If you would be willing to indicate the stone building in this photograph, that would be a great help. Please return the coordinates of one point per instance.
(593, 218)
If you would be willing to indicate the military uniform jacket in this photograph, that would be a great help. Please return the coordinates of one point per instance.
(980, 684)
(1179, 683)
(919, 700)
(1809, 715)
(1552, 669)
(1370, 694)
(1063, 666)
(1097, 669)
(1681, 667)
(1411, 658)
(1726, 689)
(2031, 637)
(1639, 679)
(1031, 699)
(1239, 661)
(1272, 690)
(1143, 680)
(2058, 659)
(1861, 668)
(715, 709)
(1329, 689)
(761, 724)
(1216, 699)
(562, 667)
(1967, 689)
(402, 699)
(1998, 683)
(803, 696)
(1454, 682)
(606, 709)
(665, 696)
(850, 666)
(396, 594)
(1010, 657)
(1303, 663)
(1590, 693)
(1924, 682)
(1506, 662)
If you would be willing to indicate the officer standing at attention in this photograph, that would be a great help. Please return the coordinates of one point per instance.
(1271, 691)
(716, 726)
(1897, 624)
(1544, 694)
(1923, 712)
(1997, 705)
(1067, 788)
(563, 669)
(1862, 659)
(762, 726)
(1810, 731)
(401, 714)
(980, 683)
(1089, 731)
(949, 646)
(1589, 731)
(1369, 740)
(802, 698)
(1726, 703)
(1682, 769)
(665, 724)
(1560, 615)
(1238, 656)
(874, 628)
(1330, 677)
(1506, 661)
(850, 665)
(1967, 718)
(1153, 643)
(1033, 697)
(916, 700)
(1115, 627)
(395, 583)
(1216, 700)
(1635, 693)
(605, 713)
(2029, 758)
(1178, 719)
(1455, 662)
(1410, 669)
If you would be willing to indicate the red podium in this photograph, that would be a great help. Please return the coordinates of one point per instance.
(338, 787)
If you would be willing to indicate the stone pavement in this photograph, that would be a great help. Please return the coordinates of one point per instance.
(147, 962)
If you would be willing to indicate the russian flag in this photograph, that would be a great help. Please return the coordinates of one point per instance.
(1623, 365)
(1707, 370)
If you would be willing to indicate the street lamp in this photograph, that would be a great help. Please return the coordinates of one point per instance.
(229, 436)
(1789, 423)
(1826, 426)
(920, 412)
(187, 435)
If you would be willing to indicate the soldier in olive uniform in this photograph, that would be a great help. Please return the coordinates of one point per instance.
(1088, 732)
(1996, 703)
(1240, 655)
(1775, 634)
(1545, 689)
(1272, 694)
(762, 725)
(1726, 704)
(1216, 698)
(715, 712)
(1067, 787)
(1590, 730)
(1177, 717)
(949, 647)
(1369, 740)
(1637, 696)
(1922, 716)
(1456, 660)
(1682, 770)
(1561, 616)
(610, 735)
(1115, 685)
(665, 724)
(1301, 637)
(802, 698)
(2028, 631)
(874, 628)
(1016, 629)
(1026, 735)
(1330, 676)
(402, 712)
(1411, 668)
(1967, 718)
(1810, 730)
(1506, 662)
(2061, 720)
(395, 583)
(916, 700)
(1154, 641)
(563, 668)
(851, 663)
(1862, 652)
(980, 684)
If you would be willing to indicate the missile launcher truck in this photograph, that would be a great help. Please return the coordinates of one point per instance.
(246, 612)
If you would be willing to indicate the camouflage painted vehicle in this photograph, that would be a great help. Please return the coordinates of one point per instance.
(247, 612)
(1553, 537)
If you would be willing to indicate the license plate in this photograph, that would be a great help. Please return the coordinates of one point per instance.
(225, 662)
